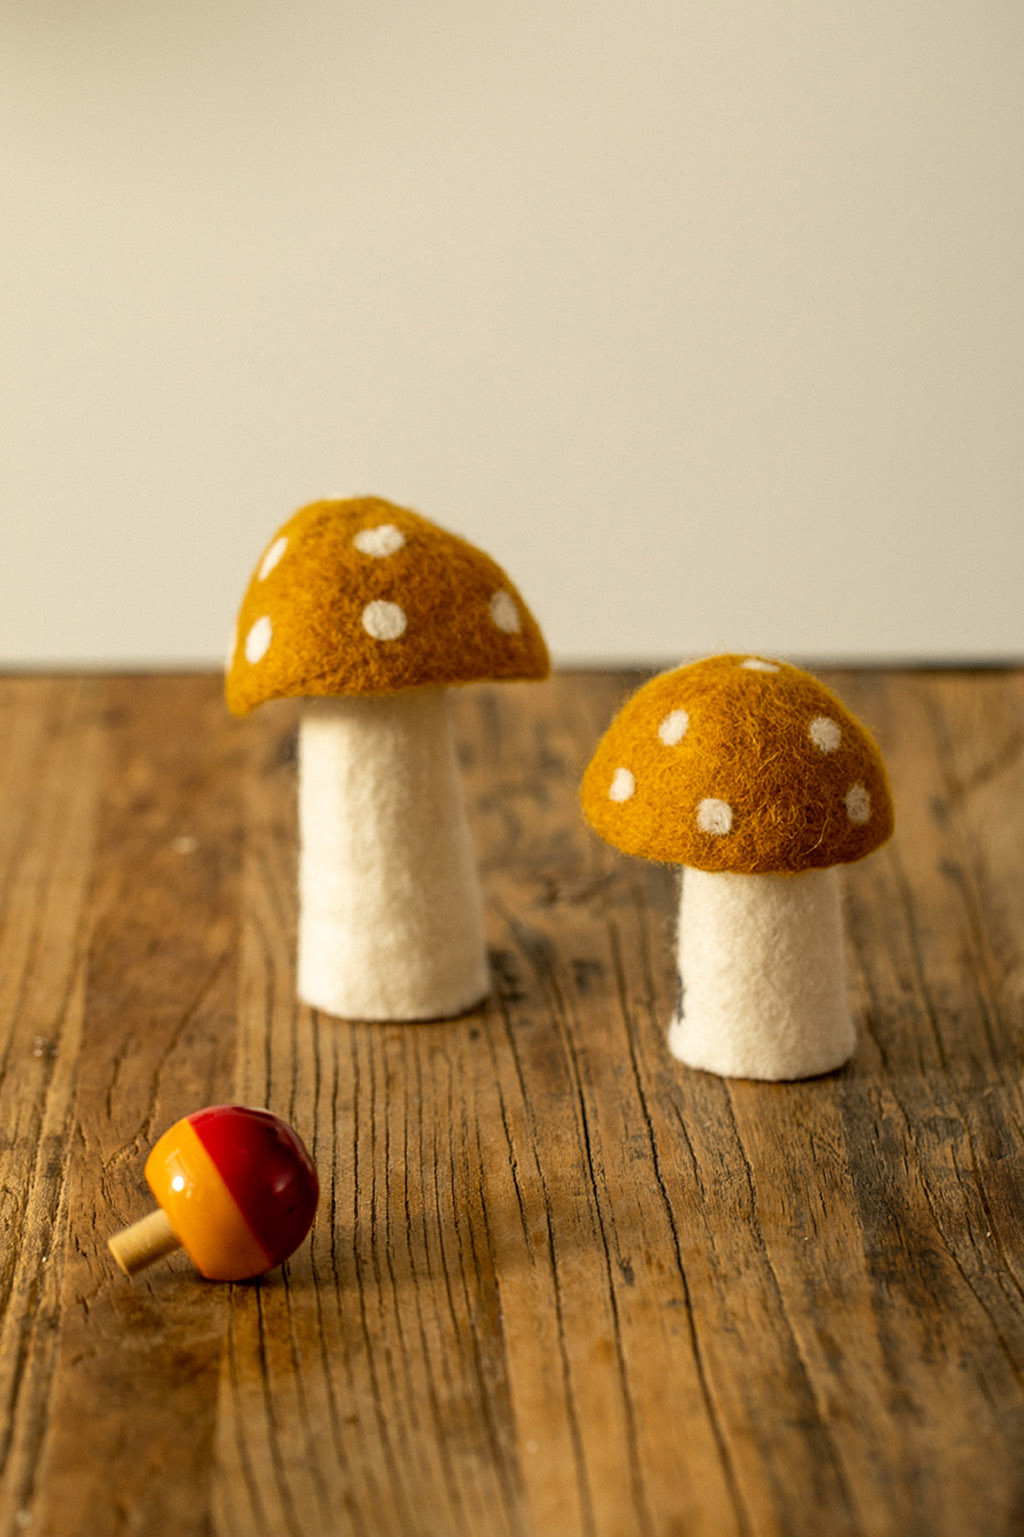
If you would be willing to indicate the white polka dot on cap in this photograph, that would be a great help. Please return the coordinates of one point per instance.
(714, 816)
(383, 540)
(674, 727)
(505, 613)
(622, 786)
(824, 733)
(272, 557)
(384, 620)
(858, 805)
(257, 642)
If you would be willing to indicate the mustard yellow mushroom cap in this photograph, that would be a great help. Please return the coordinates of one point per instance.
(739, 763)
(360, 596)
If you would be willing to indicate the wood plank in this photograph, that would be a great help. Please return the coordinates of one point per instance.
(52, 759)
(132, 1410)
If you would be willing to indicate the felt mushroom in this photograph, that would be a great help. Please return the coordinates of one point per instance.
(369, 612)
(757, 780)
(235, 1188)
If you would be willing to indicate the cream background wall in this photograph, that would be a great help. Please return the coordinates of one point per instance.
(705, 319)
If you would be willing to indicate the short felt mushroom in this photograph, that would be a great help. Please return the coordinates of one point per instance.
(235, 1188)
(369, 611)
(756, 779)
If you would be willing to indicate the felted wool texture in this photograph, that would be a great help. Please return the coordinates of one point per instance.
(363, 597)
(742, 764)
(762, 972)
(391, 922)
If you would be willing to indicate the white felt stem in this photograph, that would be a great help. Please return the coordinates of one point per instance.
(761, 962)
(391, 922)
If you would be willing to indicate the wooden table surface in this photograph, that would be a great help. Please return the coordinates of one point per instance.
(557, 1283)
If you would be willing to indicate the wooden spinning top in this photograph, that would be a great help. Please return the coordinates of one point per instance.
(236, 1189)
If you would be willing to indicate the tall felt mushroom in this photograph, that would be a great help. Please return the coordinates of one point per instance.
(757, 780)
(369, 612)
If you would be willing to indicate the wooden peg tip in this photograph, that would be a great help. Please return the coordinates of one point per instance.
(147, 1240)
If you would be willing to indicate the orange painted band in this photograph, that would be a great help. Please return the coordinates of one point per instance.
(201, 1209)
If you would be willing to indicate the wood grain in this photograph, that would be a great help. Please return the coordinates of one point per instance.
(557, 1283)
